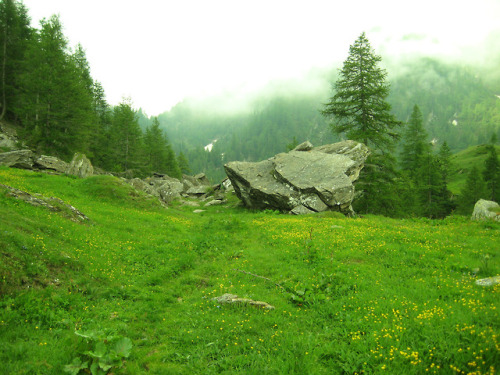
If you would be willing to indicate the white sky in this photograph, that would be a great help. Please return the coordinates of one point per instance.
(159, 52)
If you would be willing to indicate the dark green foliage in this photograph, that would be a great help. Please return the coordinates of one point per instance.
(359, 107)
(415, 143)
(56, 97)
(294, 143)
(378, 187)
(15, 34)
(125, 139)
(183, 163)
(433, 194)
(473, 190)
(491, 174)
(98, 143)
(159, 154)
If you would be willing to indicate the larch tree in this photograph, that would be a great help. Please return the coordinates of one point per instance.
(359, 111)
(358, 107)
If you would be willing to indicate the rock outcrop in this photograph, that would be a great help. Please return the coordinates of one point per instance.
(50, 203)
(486, 210)
(50, 163)
(80, 166)
(23, 159)
(305, 180)
(26, 159)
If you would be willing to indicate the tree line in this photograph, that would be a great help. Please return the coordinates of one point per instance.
(47, 89)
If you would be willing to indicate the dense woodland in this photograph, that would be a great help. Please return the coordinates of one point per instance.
(443, 107)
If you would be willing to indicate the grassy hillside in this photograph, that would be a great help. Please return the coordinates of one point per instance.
(462, 162)
(131, 290)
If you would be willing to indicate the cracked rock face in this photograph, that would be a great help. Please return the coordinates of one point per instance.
(304, 180)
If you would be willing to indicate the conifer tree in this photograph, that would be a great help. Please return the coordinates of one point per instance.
(359, 111)
(415, 143)
(160, 156)
(358, 107)
(125, 146)
(473, 190)
(15, 34)
(183, 163)
(56, 109)
(99, 143)
(491, 174)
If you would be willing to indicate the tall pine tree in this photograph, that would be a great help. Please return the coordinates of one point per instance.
(125, 143)
(415, 143)
(358, 107)
(160, 156)
(359, 111)
(56, 102)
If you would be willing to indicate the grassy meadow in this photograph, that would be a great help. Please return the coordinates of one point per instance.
(131, 290)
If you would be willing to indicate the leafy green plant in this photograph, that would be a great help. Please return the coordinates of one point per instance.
(104, 352)
(325, 287)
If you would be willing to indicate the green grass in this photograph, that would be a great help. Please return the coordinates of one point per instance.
(463, 161)
(366, 295)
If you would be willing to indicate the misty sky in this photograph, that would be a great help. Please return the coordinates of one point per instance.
(159, 52)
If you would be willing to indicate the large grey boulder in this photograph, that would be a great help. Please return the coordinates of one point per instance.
(314, 180)
(23, 159)
(486, 210)
(80, 166)
(7, 142)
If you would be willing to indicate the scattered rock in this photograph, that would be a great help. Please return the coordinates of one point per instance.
(490, 281)
(51, 203)
(50, 163)
(233, 298)
(80, 166)
(168, 188)
(198, 211)
(22, 159)
(190, 204)
(301, 210)
(227, 185)
(197, 190)
(486, 210)
(317, 180)
(214, 202)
